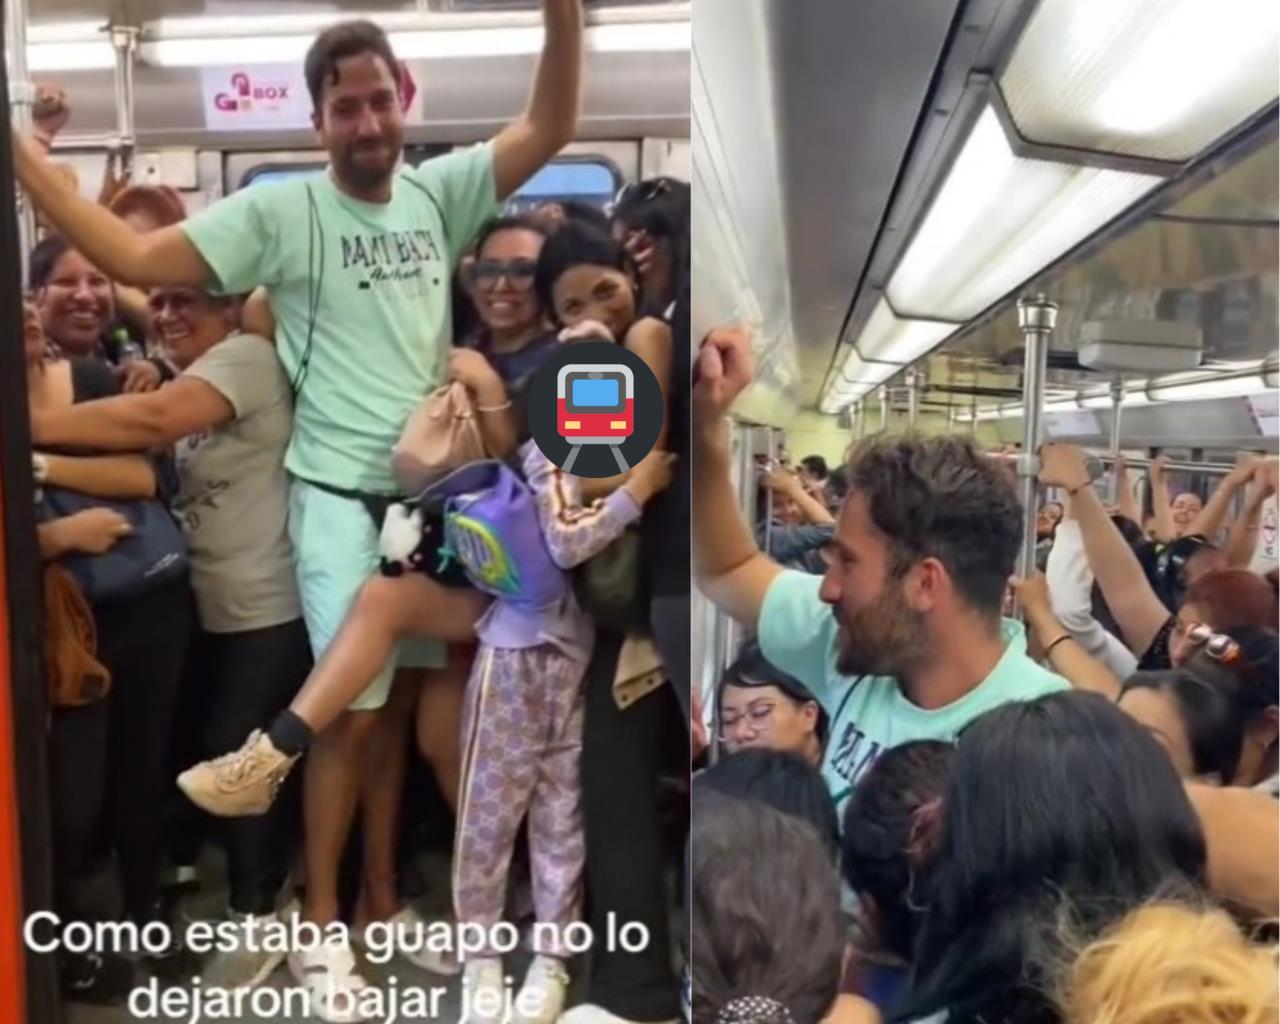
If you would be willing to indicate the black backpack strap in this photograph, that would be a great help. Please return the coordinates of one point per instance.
(375, 504)
(407, 177)
(315, 286)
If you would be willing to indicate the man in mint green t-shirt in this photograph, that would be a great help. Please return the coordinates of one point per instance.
(902, 638)
(356, 262)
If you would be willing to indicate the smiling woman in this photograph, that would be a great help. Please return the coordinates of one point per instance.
(75, 299)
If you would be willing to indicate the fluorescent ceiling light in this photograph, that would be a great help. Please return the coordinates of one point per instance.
(69, 46)
(1153, 78)
(220, 51)
(439, 44)
(859, 377)
(84, 56)
(1178, 388)
(893, 339)
(1000, 219)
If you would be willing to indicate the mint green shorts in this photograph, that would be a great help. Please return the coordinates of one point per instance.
(335, 549)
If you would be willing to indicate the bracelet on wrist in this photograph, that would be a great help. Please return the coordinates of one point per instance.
(1049, 650)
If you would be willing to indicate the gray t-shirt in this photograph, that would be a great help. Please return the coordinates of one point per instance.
(233, 500)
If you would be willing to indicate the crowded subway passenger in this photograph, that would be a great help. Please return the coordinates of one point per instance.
(954, 268)
(247, 372)
(908, 655)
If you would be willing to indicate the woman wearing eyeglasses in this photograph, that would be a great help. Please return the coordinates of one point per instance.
(515, 335)
(763, 707)
(1216, 714)
(229, 416)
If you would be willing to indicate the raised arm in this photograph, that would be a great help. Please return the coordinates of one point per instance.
(1064, 652)
(131, 423)
(1211, 517)
(1160, 505)
(784, 482)
(1126, 500)
(1135, 606)
(728, 566)
(1242, 538)
(126, 477)
(163, 257)
(1068, 584)
(548, 123)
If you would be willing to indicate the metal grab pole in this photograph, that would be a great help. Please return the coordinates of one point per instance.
(884, 408)
(124, 40)
(1207, 468)
(913, 397)
(746, 474)
(22, 98)
(1117, 403)
(1037, 317)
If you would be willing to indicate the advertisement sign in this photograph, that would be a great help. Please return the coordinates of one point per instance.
(274, 96)
(257, 96)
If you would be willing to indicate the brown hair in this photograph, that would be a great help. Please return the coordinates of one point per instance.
(160, 201)
(340, 41)
(1235, 597)
(939, 497)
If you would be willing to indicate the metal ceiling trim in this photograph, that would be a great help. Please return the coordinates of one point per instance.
(1031, 149)
(1243, 141)
(984, 35)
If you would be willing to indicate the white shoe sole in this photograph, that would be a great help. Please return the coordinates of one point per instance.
(268, 968)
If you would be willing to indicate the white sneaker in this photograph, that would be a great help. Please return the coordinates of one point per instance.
(483, 984)
(243, 968)
(542, 995)
(411, 936)
(589, 1013)
(332, 980)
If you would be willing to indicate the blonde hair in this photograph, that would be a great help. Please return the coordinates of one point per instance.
(1167, 963)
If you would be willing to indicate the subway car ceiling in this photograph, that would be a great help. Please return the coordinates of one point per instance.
(1149, 197)
(471, 61)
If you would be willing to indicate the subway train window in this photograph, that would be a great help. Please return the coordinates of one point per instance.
(578, 179)
(584, 180)
(324, 695)
(267, 174)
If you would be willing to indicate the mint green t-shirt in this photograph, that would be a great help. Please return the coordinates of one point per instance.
(869, 714)
(361, 295)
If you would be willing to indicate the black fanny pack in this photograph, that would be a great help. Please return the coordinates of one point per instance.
(446, 572)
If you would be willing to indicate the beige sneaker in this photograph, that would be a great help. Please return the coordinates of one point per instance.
(484, 992)
(240, 784)
(541, 998)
